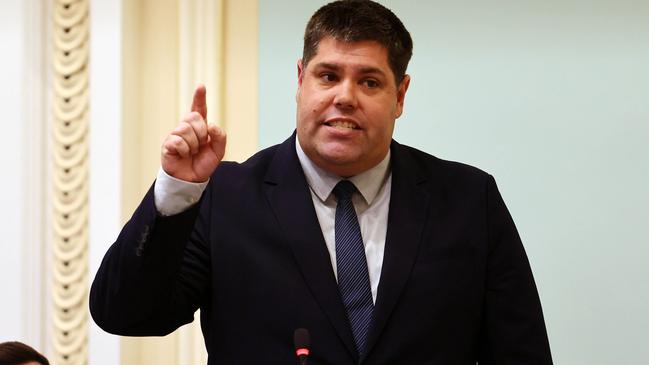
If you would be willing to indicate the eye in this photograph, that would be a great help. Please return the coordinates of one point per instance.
(371, 83)
(328, 77)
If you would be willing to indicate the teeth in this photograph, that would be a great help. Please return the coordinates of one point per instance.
(342, 124)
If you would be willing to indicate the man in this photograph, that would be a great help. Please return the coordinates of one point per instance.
(387, 255)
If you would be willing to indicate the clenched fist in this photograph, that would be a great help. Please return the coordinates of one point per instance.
(193, 150)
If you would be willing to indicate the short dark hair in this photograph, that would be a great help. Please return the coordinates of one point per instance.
(360, 20)
(12, 353)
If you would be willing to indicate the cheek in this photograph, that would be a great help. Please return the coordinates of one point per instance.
(318, 106)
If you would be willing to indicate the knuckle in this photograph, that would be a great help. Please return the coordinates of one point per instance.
(195, 117)
(201, 129)
(179, 142)
(181, 129)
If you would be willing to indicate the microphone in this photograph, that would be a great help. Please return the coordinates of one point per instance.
(301, 339)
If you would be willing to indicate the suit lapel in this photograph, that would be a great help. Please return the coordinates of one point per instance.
(409, 203)
(289, 196)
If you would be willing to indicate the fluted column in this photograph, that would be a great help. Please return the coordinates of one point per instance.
(69, 171)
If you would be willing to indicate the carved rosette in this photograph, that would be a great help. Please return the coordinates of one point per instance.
(70, 179)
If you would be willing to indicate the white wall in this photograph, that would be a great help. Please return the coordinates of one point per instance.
(12, 159)
(22, 97)
(105, 151)
(552, 98)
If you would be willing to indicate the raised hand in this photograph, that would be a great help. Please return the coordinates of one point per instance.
(193, 150)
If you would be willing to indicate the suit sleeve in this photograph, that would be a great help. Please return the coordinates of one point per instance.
(155, 276)
(513, 329)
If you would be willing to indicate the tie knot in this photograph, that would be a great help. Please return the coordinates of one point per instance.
(344, 189)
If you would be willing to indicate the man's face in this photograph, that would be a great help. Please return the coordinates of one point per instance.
(347, 102)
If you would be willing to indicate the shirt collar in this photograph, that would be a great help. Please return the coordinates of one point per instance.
(323, 182)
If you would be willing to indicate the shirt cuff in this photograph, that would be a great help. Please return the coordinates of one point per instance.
(173, 196)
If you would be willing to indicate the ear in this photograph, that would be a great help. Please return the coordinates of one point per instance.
(300, 74)
(401, 95)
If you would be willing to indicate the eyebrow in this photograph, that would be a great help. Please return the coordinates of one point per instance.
(363, 70)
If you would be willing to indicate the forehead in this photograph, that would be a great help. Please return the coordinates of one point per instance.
(352, 54)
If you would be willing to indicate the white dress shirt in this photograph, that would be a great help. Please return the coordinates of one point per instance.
(372, 205)
(173, 196)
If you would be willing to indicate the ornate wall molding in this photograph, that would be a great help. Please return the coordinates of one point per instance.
(69, 148)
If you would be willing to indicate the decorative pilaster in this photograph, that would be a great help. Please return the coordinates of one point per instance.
(70, 182)
(200, 30)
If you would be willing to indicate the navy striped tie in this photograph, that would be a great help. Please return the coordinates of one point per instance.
(353, 278)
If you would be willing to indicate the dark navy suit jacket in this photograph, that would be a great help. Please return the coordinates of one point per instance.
(456, 286)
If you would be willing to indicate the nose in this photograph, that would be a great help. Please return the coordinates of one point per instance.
(345, 97)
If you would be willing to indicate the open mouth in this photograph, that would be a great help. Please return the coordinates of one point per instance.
(342, 124)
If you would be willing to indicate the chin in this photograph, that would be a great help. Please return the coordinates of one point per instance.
(338, 156)
(337, 160)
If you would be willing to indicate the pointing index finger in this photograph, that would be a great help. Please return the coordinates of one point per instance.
(199, 105)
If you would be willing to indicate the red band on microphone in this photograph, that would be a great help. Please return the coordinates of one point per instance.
(302, 352)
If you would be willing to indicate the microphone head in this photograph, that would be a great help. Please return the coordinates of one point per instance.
(302, 341)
